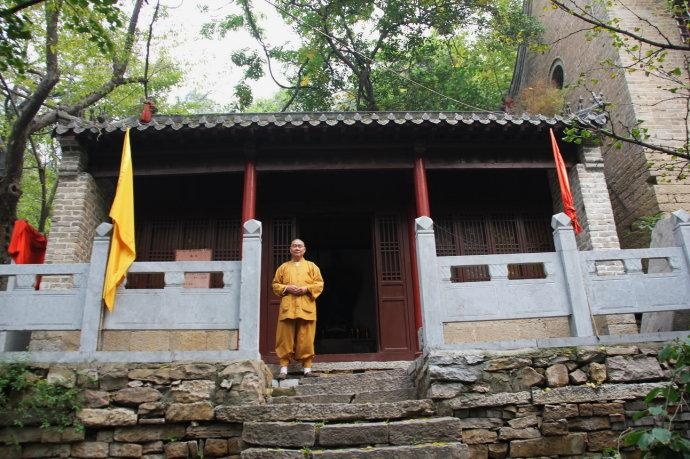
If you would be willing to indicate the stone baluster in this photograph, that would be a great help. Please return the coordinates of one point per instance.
(429, 285)
(250, 288)
(566, 247)
(93, 304)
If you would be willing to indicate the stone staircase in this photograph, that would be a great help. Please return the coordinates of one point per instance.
(374, 414)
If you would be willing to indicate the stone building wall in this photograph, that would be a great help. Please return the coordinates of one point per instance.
(545, 403)
(638, 182)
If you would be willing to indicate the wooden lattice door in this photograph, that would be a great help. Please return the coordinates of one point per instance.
(280, 231)
(395, 317)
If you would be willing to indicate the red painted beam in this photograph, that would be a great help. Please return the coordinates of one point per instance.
(421, 191)
(249, 193)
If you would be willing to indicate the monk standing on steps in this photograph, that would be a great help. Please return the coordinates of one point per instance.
(299, 283)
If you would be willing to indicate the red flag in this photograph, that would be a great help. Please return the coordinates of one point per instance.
(566, 195)
(27, 246)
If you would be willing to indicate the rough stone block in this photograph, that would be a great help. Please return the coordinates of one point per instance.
(597, 441)
(555, 427)
(125, 450)
(572, 444)
(215, 447)
(498, 450)
(176, 450)
(214, 431)
(508, 433)
(581, 394)
(152, 447)
(622, 369)
(474, 436)
(283, 434)
(590, 423)
(480, 423)
(90, 449)
(424, 431)
(568, 410)
(193, 391)
(578, 377)
(557, 375)
(597, 372)
(148, 433)
(526, 421)
(199, 411)
(353, 434)
(96, 398)
(36, 450)
(97, 417)
(136, 395)
(486, 400)
(459, 373)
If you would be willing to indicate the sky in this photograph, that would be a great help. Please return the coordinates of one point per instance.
(207, 62)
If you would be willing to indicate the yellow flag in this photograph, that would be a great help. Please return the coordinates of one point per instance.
(122, 247)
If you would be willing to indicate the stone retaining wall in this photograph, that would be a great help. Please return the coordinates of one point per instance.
(149, 411)
(565, 402)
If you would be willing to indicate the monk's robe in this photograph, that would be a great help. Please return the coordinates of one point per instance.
(297, 316)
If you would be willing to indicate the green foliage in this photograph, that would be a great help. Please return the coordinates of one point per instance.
(26, 398)
(541, 98)
(394, 55)
(646, 223)
(665, 403)
(89, 17)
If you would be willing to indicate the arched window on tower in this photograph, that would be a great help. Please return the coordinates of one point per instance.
(557, 74)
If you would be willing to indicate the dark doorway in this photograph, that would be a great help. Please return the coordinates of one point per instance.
(342, 247)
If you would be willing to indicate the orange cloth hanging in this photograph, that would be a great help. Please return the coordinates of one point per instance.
(564, 184)
(27, 246)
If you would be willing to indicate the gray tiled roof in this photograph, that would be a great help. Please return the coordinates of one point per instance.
(70, 124)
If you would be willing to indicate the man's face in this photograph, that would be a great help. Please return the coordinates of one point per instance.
(297, 248)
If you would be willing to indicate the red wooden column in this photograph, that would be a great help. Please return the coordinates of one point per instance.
(249, 192)
(421, 194)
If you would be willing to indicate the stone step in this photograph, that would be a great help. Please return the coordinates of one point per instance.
(325, 378)
(396, 395)
(336, 386)
(426, 451)
(313, 435)
(325, 411)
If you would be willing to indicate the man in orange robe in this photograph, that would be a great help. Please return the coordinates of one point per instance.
(298, 282)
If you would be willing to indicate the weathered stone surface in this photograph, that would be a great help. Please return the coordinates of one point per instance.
(105, 435)
(272, 453)
(11, 452)
(557, 375)
(215, 447)
(581, 394)
(198, 371)
(597, 441)
(353, 434)
(379, 396)
(319, 398)
(152, 447)
(176, 450)
(590, 423)
(415, 431)
(61, 377)
(214, 431)
(454, 373)
(283, 434)
(96, 398)
(480, 423)
(56, 435)
(99, 417)
(318, 412)
(527, 377)
(479, 451)
(509, 433)
(578, 377)
(507, 363)
(199, 411)
(151, 421)
(148, 433)
(552, 412)
(602, 409)
(136, 395)
(193, 448)
(622, 369)
(36, 451)
(193, 391)
(157, 375)
(112, 378)
(571, 444)
(354, 386)
(482, 400)
(474, 436)
(597, 372)
(125, 450)
(19, 435)
(621, 350)
(498, 450)
(589, 355)
(526, 421)
(90, 449)
(151, 408)
(427, 451)
(555, 427)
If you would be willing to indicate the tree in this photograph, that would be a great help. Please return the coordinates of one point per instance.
(399, 54)
(65, 71)
(645, 47)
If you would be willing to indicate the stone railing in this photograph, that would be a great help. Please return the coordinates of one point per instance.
(234, 306)
(569, 284)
